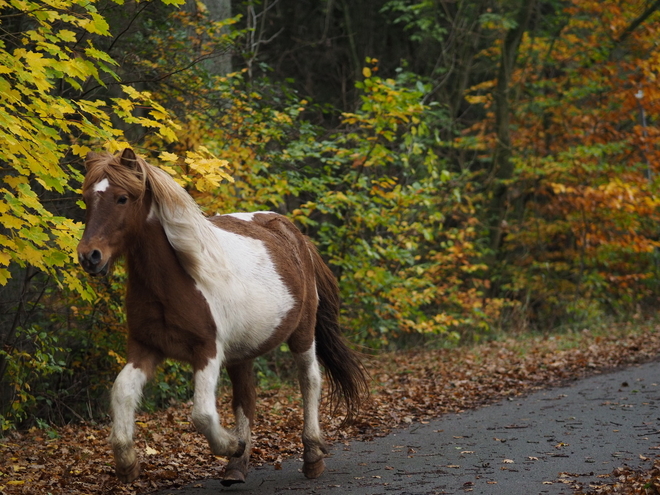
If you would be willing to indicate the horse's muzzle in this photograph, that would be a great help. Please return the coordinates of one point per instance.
(93, 263)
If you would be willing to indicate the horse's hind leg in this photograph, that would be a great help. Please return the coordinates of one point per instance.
(205, 415)
(243, 402)
(309, 375)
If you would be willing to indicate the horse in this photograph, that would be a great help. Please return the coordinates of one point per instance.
(214, 292)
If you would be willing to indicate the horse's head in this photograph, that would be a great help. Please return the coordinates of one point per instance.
(117, 207)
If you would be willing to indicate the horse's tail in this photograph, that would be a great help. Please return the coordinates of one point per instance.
(347, 376)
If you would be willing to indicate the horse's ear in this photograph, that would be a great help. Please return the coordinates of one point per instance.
(90, 157)
(128, 158)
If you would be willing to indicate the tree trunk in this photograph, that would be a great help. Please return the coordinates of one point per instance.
(502, 167)
(218, 10)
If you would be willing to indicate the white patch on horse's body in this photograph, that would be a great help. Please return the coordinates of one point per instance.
(125, 397)
(250, 297)
(102, 185)
(248, 216)
(235, 274)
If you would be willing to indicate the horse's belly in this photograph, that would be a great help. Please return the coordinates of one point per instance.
(250, 329)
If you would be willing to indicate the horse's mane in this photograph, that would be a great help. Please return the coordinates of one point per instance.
(137, 180)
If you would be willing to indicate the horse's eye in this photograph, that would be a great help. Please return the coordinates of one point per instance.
(121, 200)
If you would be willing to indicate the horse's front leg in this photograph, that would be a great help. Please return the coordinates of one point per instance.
(205, 415)
(243, 403)
(125, 398)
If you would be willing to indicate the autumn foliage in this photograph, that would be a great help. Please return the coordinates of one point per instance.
(582, 234)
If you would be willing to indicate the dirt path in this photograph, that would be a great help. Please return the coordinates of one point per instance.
(545, 443)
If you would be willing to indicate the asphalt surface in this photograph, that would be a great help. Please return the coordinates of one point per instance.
(537, 444)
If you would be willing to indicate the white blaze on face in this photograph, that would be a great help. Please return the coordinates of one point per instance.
(102, 185)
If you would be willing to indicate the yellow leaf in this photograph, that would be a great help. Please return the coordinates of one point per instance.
(167, 134)
(131, 91)
(11, 222)
(34, 60)
(126, 105)
(169, 157)
(32, 255)
(80, 150)
(97, 24)
(4, 258)
(366, 72)
(114, 145)
(66, 35)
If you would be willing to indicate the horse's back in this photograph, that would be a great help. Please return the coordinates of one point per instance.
(259, 225)
(284, 242)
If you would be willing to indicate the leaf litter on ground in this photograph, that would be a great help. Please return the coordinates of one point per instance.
(408, 386)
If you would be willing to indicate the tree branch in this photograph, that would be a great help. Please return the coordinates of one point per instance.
(637, 22)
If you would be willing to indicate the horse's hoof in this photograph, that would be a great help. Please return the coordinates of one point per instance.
(128, 474)
(314, 469)
(240, 450)
(232, 477)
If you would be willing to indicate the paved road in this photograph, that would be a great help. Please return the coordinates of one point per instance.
(513, 447)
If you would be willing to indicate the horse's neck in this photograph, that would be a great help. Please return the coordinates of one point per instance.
(151, 259)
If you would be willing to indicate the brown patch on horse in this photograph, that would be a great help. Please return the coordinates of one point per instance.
(244, 398)
(243, 383)
(165, 310)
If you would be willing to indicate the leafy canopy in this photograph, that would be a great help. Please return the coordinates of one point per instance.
(48, 117)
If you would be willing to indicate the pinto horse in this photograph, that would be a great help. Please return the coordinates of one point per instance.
(214, 292)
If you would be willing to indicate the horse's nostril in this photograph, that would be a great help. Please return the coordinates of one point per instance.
(95, 256)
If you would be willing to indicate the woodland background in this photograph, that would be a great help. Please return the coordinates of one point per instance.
(466, 167)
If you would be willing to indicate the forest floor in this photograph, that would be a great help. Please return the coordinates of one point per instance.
(407, 387)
